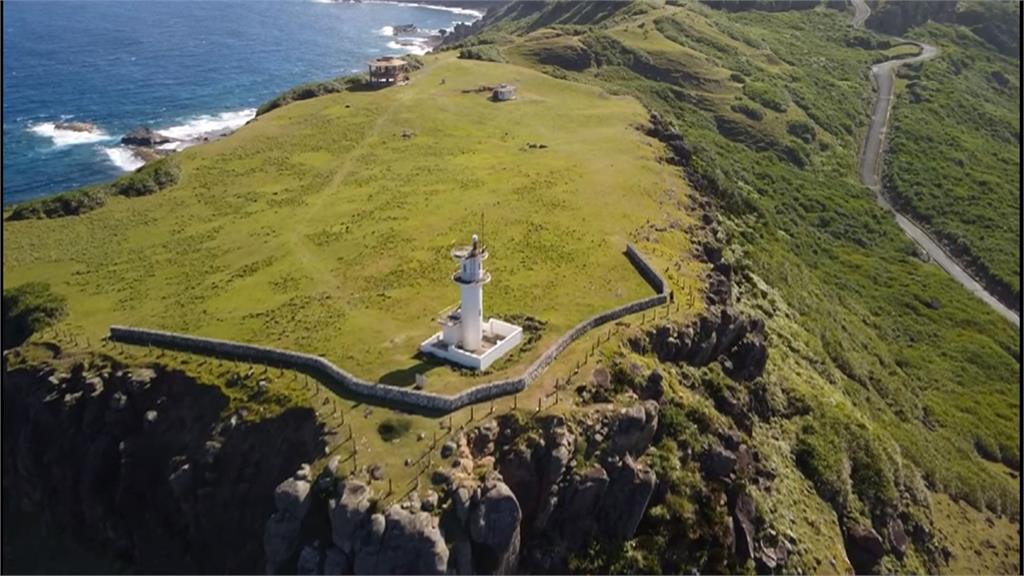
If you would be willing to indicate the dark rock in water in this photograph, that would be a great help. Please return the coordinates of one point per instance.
(76, 126)
(864, 548)
(145, 137)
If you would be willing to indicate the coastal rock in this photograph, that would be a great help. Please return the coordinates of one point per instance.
(635, 428)
(145, 137)
(77, 126)
(744, 514)
(309, 560)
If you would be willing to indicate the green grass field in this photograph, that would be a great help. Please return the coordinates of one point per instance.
(325, 226)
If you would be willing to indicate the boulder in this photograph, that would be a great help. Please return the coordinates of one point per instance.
(494, 529)
(447, 449)
(864, 548)
(718, 463)
(577, 514)
(635, 428)
(401, 542)
(898, 539)
(348, 513)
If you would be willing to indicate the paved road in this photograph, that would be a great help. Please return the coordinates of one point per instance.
(883, 75)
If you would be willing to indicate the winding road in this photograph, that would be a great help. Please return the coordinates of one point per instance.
(871, 160)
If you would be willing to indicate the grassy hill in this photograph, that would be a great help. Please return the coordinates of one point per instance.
(954, 153)
(905, 376)
(890, 393)
(325, 226)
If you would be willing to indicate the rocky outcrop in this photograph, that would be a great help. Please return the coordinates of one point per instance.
(735, 341)
(401, 541)
(144, 137)
(77, 127)
(625, 500)
(281, 535)
(864, 548)
(349, 512)
(494, 529)
(140, 465)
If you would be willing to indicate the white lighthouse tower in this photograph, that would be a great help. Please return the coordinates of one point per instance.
(471, 278)
(465, 338)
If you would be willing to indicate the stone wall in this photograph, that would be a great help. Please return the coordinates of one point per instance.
(416, 400)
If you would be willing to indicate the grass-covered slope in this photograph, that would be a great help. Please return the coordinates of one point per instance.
(904, 380)
(325, 226)
(954, 153)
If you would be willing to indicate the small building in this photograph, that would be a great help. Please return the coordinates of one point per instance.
(503, 93)
(465, 338)
(388, 71)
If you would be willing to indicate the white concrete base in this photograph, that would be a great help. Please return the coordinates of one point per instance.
(499, 336)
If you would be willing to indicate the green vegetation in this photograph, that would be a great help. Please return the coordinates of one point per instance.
(883, 360)
(393, 428)
(313, 90)
(326, 225)
(147, 180)
(27, 309)
(954, 153)
(485, 52)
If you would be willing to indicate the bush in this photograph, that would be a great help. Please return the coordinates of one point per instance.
(484, 52)
(748, 109)
(316, 89)
(767, 95)
(803, 130)
(73, 203)
(27, 309)
(149, 179)
(394, 428)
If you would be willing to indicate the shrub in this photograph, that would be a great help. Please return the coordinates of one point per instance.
(149, 179)
(27, 309)
(484, 52)
(803, 130)
(748, 109)
(316, 89)
(393, 428)
(767, 95)
(73, 203)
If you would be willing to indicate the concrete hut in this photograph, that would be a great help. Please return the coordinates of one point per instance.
(388, 71)
(503, 93)
(465, 338)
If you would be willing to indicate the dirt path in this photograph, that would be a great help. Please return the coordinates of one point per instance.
(871, 161)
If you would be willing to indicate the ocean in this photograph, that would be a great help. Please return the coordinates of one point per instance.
(183, 68)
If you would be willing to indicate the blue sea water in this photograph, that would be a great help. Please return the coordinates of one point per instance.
(181, 67)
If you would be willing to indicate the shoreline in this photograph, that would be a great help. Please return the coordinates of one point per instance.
(201, 127)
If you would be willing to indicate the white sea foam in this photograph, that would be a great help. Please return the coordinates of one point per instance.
(452, 9)
(410, 45)
(386, 31)
(123, 158)
(61, 137)
(198, 127)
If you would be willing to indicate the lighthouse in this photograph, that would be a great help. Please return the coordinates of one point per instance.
(465, 337)
(471, 278)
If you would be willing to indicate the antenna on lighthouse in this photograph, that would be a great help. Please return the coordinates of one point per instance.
(481, 223)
